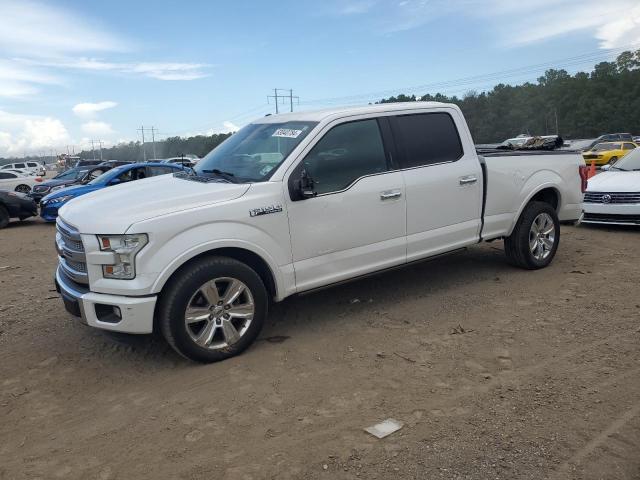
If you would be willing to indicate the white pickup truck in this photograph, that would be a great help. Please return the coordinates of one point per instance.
(294, 202)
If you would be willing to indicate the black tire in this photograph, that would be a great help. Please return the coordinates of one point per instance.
(180, 291)
(613, 160)
(517, 245)
(22, 188)
(4, 217)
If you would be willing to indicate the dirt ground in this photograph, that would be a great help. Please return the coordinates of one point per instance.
(497, 373)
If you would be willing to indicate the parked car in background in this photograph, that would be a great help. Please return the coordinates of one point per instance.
(608, 152)
(185, 161)
(73, 176)
(50, 204)
(87, 163)
(17, 182)
(35, 167)
(15, 205)
(299, 201)
(610, 137)
(114, 163)
(613, 196)
(21, 171)
(636, 140)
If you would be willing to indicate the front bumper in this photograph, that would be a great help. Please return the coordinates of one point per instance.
(612, 213)
(97, 309)
(49, 211)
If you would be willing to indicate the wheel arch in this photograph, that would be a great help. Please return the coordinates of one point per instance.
(267, 270)
(548, 192)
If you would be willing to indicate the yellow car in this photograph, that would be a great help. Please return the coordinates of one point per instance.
(608, 152)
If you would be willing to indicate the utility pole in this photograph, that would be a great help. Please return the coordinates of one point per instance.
(100, 141)
(277, 96)
(153, 140)
(93, 152)
(144, 152)
(555, 111)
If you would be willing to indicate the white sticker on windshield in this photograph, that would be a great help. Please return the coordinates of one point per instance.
(287, 133)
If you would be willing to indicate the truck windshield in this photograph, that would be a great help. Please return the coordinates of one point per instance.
(254, 152)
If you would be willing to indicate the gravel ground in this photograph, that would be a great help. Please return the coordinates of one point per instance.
(495, 372)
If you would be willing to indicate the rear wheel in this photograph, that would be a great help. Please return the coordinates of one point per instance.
(613, 160)
(4, 217)
(23, 188)
(213, 309)
(535, 238)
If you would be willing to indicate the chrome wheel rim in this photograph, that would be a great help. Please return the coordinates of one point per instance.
(23, 189)
(219, 313)
(542, 236)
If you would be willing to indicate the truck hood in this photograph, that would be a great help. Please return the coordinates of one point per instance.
(615, 181)
(114, 209)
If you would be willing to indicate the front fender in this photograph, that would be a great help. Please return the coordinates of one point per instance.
(202, 239)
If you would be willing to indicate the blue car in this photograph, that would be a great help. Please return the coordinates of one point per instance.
(51, 203)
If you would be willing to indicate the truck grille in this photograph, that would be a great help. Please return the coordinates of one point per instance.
(71, 254)
(608, 197)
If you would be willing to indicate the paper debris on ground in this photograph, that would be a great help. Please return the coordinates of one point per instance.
(385, 428)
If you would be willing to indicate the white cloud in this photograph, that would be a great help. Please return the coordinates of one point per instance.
(615, 23)
(157, 70)
(18, 80)
(37, 38)
(33, 28)
(97, 129)
(21, 134)
(88, 110)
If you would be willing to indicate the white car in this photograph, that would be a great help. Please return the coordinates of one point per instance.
(17, 181)
(35, 167)
(294, 202)
(613, 196)
(21, 171)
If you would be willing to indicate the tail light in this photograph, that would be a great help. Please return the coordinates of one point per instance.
(38, 179)
(583, 170)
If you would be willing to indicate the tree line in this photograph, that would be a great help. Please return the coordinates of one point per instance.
(583, 105)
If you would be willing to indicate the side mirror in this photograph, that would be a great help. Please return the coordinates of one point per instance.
(605, 167)
(304, 186)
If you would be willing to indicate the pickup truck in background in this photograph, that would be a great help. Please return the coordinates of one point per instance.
(298, 201)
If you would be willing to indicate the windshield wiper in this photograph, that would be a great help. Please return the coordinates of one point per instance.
(230, 177)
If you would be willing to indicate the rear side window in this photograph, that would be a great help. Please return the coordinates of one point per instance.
(345, 153)
(426, 138)
(5, 175)
(629, 146)
(19, 165)
(155, 171)
(32, 164)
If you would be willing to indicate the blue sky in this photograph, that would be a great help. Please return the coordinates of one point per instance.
(72, 71)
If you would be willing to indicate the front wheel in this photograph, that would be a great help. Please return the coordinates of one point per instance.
(535, 238)
(23, 188)
(613, 160)
(213, 309)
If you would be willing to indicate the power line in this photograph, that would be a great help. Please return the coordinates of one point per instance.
(570, 61)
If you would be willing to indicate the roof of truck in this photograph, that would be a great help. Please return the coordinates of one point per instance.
(319, 115)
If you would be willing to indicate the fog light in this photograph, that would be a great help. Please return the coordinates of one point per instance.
(117, 312)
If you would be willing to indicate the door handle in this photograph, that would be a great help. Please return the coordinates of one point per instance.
(468, 180)
(389, 194)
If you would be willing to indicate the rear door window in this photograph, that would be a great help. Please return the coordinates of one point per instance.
(6, 175)
(155, 171)
(19, 165)
(629, 146)
(426, 139)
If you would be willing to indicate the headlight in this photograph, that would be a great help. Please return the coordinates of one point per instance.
(125, 247)
(57, 187)
(66, 198)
